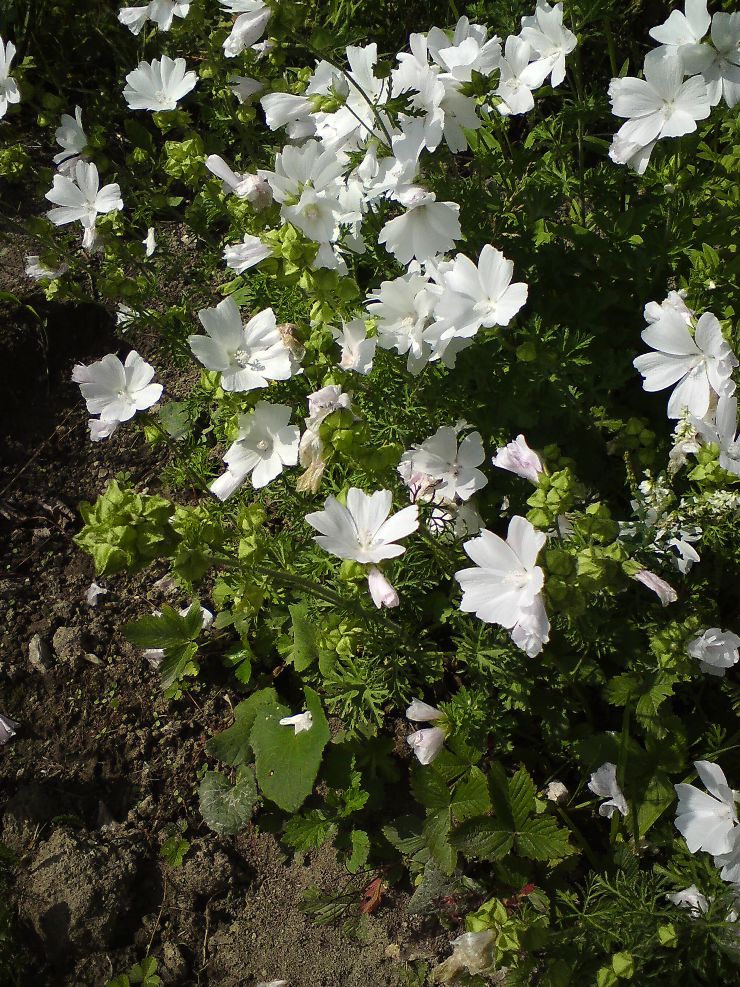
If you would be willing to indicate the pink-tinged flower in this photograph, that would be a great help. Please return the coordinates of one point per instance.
(383, 593)
(603, 783)
(243, 185)
(715, 650)
(452, 468)
(698, 365)
(517, 457)
(706, 821)
(663, 590)
(358, 349)
(426, 743)
(506, 584)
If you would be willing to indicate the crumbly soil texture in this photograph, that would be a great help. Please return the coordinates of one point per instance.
(103, 770)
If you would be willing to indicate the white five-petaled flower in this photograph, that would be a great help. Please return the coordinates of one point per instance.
(480, 295)
(427, 742)
(505, 587)
(723, 432)
(452, 467)
(722, 69)
(358, 349)
(706, 819)
(660, 105)
(161, 12)
(715, 650)
(266, 443)
(250, 252)
(697, 365)
(301, 722)
(363, 530)
(81, 199)
(247, 356)
(427, 228)
(684, 32)
(403, 309)
(9, 92)
(116, 391)
(517, 457)
(603, 783)
(72, 139)
(519, 76)
(158, 85)
(548, 38)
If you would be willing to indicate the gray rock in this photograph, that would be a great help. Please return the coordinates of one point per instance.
(67, 643)
(39, 655)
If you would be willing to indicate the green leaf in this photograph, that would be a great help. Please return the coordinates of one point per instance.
(227, 808)
(471, 797)
(483, 839)
(178, 663)
(658, 796)
(498, 788)
(429, 788)
(522, 793)
(437, 837)
(405, 834)
(232, 745)
(360, 850)
(166, 631)
(542, 839)
(309, 831)
(304, 651)
(623, 965)
(288, 762)
(174, 850)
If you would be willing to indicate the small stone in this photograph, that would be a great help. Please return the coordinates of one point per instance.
(40, 535)
(67, 643)
(39, 655)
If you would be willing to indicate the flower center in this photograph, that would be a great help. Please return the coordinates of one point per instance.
(311, 212)
(264, 444)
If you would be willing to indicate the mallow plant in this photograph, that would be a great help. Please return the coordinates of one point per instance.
(459, 465)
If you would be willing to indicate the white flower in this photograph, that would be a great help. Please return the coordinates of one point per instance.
(722, 70)
(296, 168)
(325, 402)
(82, 199)
(517, 457)
(426, 743)
(728, 863)
(247, 356)
(663, 590)
(690, 898)
(248, 27)
(358, 350)
(266, 443)
(72, 138)
(93, 594)
(363, 530)
(116, 391)
(159, 84)
(426, 229)
(557, 792)
(603, 783)
(715, 650)
(548, 38)
(8, 729)
(452, 467)
(9, 92)
(420, 712)
(722, 432)
(505, 585)
(706, 820)
(403, 309)
(300, 723)
(134, 18)
(660, 105)
(684, 32)
(150, 242)
(36, 269)
(382, 591)
(317, 214)
(250, 252)
(519, 76)
(244, 88)
(698, 366)
(245, 186)
(675, 303)
(162, 12)
(283, 109)
(481, 295)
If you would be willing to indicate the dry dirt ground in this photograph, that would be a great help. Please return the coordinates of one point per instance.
(102, 769)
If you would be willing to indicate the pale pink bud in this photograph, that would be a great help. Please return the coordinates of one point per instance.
(518, 458)
(419, 712)
(664, 590)
(426, 743)
(382, 592)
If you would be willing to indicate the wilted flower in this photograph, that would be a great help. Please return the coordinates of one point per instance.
(36, 269)
(250, 252)
(72, 138)
(247, 356)
(715, 650)
(517, 457)
(426, 743)
(300, 721)
(81, 199)
(556, 792)
(663, 590)
(116, 391)
(690, 898)
(505, 587)
(8, 729)
(603, 783)
(706, 821)
(93, 594)
(158, 85)
(472, 952)
(266, 444)
(250, 187)
(9, 92)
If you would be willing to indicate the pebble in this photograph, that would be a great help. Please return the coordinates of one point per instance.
(39, 655)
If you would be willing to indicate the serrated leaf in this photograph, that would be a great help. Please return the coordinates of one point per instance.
(165, 631)
(360, 842)
(522, 793)
(437, 837)
(227, 808)
(287, 763)
(429, 787)
(657, 796)
(304, 651)
(542, 839)
(471, 797)
(483, 839)
(308, 832)
(178, 662)
(232, 745)
(498, 788)
(435, 885)
(405, 834)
